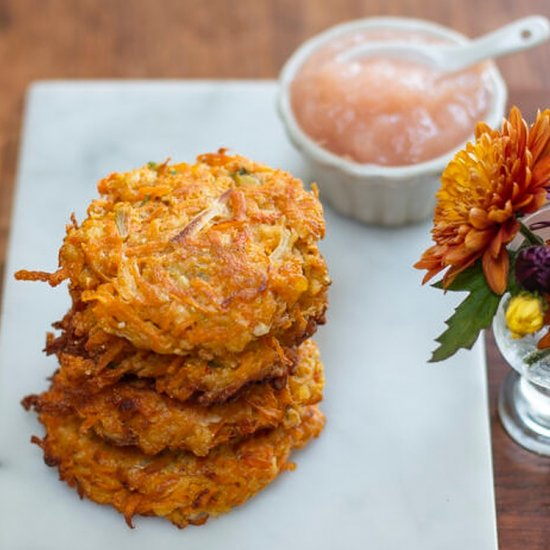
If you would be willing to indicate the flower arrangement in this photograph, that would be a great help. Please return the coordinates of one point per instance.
(486, 191)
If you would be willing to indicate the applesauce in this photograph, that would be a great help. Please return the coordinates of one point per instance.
(386, 111)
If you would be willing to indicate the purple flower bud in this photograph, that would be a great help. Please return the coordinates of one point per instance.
(533, 268)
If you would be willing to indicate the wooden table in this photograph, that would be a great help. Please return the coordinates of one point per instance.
(251, 39)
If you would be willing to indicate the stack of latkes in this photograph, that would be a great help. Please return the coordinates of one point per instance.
(185, 375)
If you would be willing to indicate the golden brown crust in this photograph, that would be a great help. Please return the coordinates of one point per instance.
(133, 413)
(177, 485)
(213, 256)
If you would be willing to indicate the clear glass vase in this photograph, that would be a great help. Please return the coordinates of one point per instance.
(524, 401)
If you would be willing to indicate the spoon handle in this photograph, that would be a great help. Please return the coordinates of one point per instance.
(515, 37)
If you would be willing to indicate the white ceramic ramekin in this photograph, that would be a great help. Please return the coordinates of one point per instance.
(383, 195)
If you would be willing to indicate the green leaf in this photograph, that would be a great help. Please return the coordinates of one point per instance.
(471, 316)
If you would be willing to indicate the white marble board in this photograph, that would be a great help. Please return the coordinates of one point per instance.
(404, 461)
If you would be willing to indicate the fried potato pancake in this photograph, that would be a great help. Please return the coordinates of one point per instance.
(101, 360)
(177, 485)
(210, 256)
(133, 413)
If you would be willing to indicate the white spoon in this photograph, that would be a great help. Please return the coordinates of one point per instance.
(517, 36)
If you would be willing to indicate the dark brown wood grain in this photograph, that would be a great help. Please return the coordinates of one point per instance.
(43, 39)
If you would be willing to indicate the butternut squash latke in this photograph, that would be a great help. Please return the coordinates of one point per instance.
(186, 376)
(213, 256)
(180, 486)
(132, 413)
(97, 359)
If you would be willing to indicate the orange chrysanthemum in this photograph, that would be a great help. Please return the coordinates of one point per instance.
(484, 189)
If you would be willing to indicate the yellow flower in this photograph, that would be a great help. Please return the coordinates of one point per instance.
(485, 187)
(524, 315)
